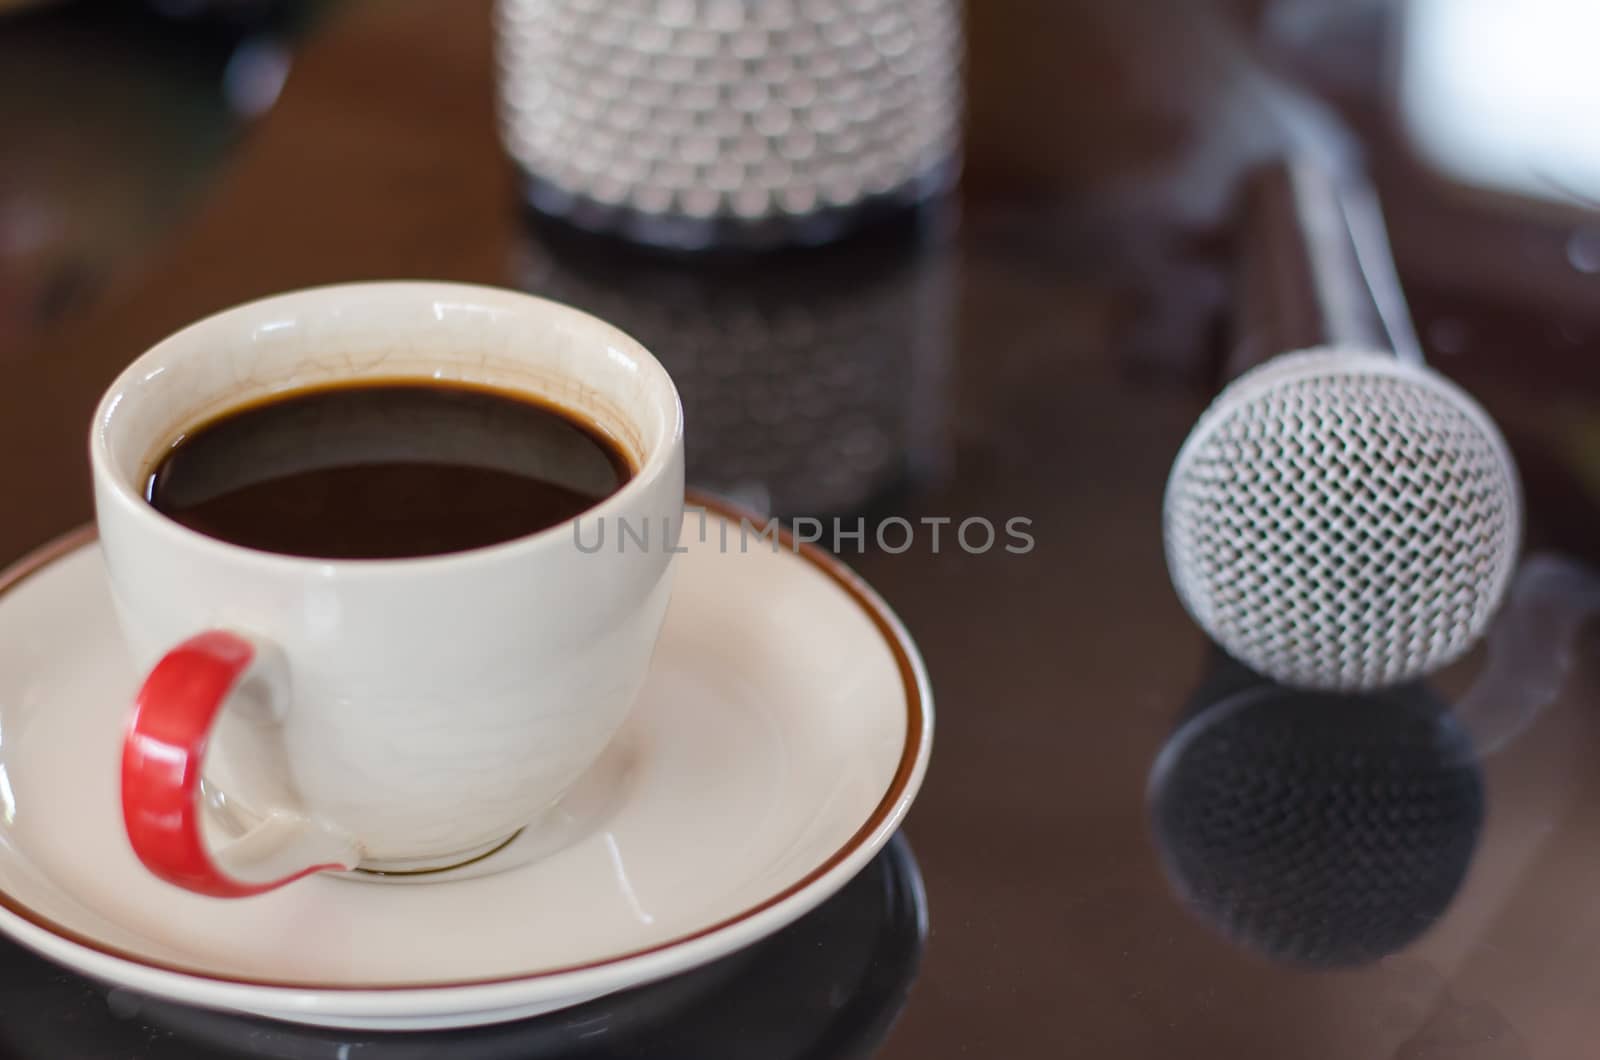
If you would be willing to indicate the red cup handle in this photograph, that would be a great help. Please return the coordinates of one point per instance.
(163, 754)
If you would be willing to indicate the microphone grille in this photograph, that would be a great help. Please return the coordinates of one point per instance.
(1343, 520)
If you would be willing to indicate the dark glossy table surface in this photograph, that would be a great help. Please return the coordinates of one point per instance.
(1040, 355)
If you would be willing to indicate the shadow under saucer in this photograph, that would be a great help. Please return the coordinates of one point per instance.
(829, 986)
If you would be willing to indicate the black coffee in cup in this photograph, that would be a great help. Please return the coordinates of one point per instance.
(383, 470)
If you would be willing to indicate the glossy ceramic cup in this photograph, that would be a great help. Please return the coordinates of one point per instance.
(396, 715)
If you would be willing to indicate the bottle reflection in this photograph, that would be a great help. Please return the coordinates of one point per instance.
(1316, 829)
(828, 987)
(812, 378)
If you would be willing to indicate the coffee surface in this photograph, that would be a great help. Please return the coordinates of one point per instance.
(382, 471)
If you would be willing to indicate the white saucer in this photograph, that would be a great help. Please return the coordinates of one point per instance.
(780, 740)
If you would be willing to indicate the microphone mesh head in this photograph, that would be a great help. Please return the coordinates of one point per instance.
(1318, 829)
(1343, 520)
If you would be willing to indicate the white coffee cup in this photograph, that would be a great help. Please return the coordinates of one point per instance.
(303, 714)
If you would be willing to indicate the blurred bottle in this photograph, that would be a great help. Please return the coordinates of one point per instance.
(696, 124)
(762, 194)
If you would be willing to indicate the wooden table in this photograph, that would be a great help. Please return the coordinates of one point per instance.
(1079, 311)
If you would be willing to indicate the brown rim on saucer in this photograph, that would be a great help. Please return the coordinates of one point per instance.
(837, 571)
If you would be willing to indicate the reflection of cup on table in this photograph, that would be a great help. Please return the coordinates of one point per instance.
(831, 984)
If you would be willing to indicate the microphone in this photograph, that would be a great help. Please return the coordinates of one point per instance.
(1316, 829)
(1341, 517)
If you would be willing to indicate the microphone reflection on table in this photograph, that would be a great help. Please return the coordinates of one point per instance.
(1319, 829)
(1330, 829)
(829, 987)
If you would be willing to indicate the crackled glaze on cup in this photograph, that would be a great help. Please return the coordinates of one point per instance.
(437, 704)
